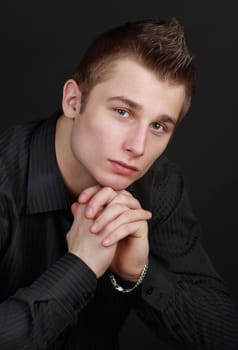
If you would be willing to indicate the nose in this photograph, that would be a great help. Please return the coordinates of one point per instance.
(135, 141)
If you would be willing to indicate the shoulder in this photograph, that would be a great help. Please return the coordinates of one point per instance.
(14, 153)
(14, 139)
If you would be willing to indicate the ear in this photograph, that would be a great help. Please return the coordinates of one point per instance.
(71, 99)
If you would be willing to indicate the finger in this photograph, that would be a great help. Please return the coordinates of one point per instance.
(123, 231)
(113, 211)
(77, 211)
(126, 193)
(126, 218)
(107, 196)
(122, 197)
(110, 213)
(74, 208)
(99, 201)
(88, 193)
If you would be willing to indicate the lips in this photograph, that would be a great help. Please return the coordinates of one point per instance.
(123, 168)
(125, 165)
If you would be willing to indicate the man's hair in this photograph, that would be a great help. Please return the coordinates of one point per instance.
(157, 45)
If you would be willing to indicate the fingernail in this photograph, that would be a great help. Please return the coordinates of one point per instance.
(107, 242)
(82, 197)
(94, 227)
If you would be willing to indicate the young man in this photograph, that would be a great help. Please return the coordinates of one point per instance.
(95, 220)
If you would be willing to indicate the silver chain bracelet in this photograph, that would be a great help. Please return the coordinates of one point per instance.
(127, 290)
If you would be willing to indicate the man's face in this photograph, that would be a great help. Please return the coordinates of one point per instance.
(125, 126)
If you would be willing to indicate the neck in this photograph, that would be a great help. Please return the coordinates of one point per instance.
(75, 177)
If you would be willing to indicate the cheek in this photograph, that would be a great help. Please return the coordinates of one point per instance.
(92, 137)
(104, 134)
(155, 150)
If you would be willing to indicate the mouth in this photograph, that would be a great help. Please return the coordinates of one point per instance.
(123, 168)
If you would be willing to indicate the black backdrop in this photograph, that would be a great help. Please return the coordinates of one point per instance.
(42, 42)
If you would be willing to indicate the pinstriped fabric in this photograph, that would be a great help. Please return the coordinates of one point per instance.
(51, 300)
(46, 190)
(41, 280)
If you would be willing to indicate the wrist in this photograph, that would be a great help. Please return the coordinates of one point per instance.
(128, 273)
(130, 278)
(133, 284)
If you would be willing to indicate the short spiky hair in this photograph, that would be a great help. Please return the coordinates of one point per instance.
(158, 45)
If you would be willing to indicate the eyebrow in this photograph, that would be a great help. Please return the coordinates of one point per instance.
(132, 104)
(167, 119)
(125, 100)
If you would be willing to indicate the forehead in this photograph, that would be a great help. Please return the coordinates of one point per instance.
(130, 79)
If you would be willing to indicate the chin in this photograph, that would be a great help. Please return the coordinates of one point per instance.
(115, 184)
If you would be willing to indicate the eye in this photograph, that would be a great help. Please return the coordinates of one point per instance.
(157, 127)
(122, 112)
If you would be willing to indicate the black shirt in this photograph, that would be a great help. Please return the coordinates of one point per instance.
(50, 299)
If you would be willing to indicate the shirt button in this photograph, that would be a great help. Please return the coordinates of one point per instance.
(86, 295)
(149, 290)
(62, 335)
(176, 327)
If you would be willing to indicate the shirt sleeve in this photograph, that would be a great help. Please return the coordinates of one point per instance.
(34, 316)
(182, 298)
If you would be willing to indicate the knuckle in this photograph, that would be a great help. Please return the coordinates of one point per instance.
(126, 229)
(143, 212)
(120, 197)
(128, 213)
(85, 191)
(120, 207)
(100, 221)
(127, 193)
(94, 188)
(137, 203)
(109, 190)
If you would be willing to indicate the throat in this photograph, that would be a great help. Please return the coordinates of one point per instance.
(75, 177)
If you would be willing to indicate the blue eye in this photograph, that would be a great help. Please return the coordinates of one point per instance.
(157, 126)
(122, 112)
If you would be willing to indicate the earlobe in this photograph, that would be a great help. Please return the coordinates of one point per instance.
(71, 99)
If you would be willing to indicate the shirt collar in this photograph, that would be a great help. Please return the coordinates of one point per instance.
(46, 190)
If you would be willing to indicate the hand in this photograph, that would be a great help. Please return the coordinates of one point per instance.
(122, 221)
(86, 245)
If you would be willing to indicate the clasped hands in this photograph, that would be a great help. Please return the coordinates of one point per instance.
(110, 230)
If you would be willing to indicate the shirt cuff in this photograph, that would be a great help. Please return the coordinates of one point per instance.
(69, 280)
(158, 285)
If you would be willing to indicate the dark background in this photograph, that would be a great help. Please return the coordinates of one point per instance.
(41, 44)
